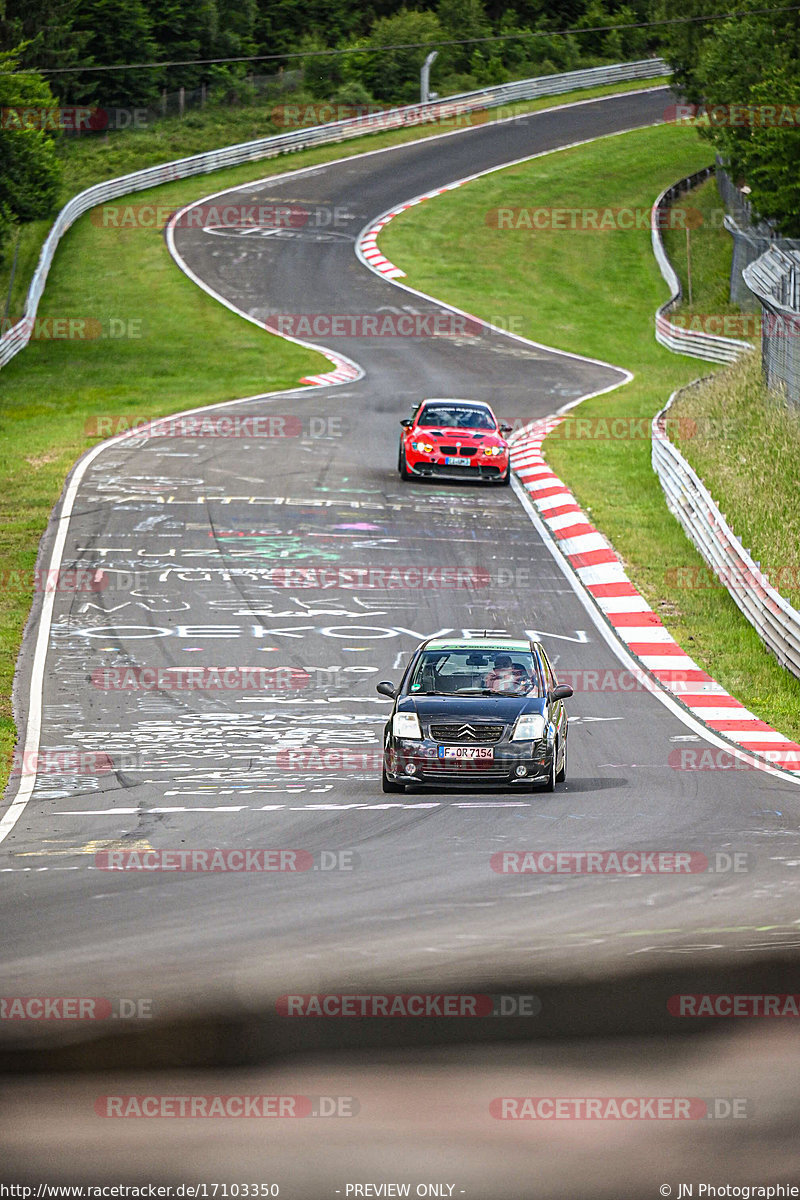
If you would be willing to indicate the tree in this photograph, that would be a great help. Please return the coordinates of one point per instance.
(118, 32)
(393, 74)
(281, 25)
(29, 170)
(323, 74)
(461, 20)
(182, 30)
(681, 44)
(748, 74)
(770, 158)
(43, 33)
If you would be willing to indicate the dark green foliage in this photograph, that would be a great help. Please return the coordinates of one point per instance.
(29, 176)
(379, 49)
(117, 32)
(750, 61)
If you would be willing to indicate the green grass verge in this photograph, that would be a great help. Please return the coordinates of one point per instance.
(191, 351)
(710, 248)
(745, 445)
(595, 294)
(91, 159)
(186, 350)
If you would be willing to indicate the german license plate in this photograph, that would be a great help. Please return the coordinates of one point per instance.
(466, 752)
(457, 462)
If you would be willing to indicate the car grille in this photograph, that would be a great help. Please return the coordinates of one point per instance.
(479, 769)
(481, 734)
(473, 472)
(464, 452)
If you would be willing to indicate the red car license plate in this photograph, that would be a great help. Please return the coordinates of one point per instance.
(463, 752)
(457, 462)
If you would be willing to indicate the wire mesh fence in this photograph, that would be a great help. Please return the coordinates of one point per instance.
(774, 279)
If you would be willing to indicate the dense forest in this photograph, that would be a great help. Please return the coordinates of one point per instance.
(77, 35)
(52, 52)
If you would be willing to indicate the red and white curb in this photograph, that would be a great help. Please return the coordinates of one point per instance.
(366, 243)
(593, 559)
(634, 622)
(344, 371)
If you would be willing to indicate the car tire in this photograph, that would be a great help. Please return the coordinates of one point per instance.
(550, 786)
(506, 480)
(562, 774)
(388, 785)
(402, 469)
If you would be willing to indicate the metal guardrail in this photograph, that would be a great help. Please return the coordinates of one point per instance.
(199, 164)
(770, 614)
(774, 279)
(708, 346)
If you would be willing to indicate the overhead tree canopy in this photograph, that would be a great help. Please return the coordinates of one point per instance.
(746, 71)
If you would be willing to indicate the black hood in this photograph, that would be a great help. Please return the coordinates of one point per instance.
(470, 708)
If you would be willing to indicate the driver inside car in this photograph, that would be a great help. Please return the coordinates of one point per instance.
(506, 676)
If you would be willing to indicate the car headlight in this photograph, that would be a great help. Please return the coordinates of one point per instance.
(492, 451)
(422, 447)
(529, 728)
(406, 725)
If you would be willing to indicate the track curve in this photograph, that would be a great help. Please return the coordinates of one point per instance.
(191, 532)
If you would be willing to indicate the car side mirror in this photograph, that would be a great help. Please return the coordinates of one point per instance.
(506, 428)
(406, 422)
(387, 689)
(562, 692)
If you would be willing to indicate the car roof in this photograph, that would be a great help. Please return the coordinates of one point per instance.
(455, 400)
(511, 645)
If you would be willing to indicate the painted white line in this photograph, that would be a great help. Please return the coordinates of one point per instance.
(385, 217)
(36, 689)
(609, 636)
(537, 480)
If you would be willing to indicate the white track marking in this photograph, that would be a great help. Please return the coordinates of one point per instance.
(625, 657)
(36, 687)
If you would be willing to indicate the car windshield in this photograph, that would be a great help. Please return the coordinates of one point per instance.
(451, 416)
(475, 672)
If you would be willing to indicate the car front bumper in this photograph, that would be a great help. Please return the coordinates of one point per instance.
(419, 762)
(424, 468)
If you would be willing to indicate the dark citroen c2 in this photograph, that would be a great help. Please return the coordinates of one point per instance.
(476, 711)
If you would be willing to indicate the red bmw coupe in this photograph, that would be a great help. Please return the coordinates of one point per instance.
(454, 439)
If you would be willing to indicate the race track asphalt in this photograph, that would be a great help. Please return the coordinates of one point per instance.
(193, 534)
